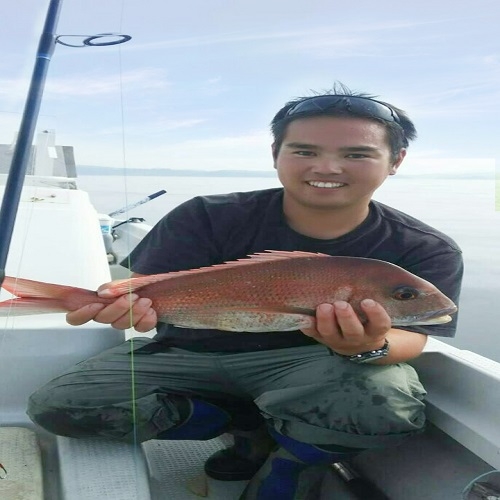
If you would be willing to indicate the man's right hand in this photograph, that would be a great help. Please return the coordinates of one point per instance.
(127, 311)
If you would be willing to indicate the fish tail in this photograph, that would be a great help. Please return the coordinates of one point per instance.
(36, 297)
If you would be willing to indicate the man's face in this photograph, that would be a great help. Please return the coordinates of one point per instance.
(334, 162)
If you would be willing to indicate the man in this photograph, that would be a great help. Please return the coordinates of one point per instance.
(321, 394)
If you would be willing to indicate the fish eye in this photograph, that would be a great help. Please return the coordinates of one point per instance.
(405, 293)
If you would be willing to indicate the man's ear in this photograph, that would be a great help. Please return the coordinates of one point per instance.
(394, 167)
(274, 152)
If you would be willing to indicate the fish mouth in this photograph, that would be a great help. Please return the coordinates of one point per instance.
(439, 317)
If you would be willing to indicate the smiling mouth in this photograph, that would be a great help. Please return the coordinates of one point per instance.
(326, 185)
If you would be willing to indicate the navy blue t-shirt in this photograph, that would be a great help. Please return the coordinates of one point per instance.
(209, 230)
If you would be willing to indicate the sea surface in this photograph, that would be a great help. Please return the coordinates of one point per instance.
(462, 208)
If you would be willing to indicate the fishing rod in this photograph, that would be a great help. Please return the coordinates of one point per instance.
(138, 203)
(22, 150)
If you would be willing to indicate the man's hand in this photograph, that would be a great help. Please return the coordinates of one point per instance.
(339, 328)
(127, 311)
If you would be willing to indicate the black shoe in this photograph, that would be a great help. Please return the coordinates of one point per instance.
(229, 465)
(244, 458)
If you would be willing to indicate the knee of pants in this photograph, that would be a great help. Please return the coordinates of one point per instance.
(385, 405)
(368, 402)
(81, 422)
(63, 412)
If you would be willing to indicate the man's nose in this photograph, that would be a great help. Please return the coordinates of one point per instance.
(328, 166)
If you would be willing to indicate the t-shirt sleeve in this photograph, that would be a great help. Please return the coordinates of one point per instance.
(181, 240)
(445, 271)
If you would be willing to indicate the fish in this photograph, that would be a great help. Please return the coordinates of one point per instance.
(270, 291)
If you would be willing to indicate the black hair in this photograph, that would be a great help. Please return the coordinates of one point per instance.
(399, 134)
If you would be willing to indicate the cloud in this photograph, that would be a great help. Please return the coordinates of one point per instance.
(491, 60)
(76, 85)
(13, 91)
(239, 152)
(308, 39)
(255, 139)
(155, 127)
(213, 81)
(455, 100)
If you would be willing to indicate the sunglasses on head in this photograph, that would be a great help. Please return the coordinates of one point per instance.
(358, 105)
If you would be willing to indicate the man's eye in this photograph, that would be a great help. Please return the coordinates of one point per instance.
(303, 153)
(357, 155)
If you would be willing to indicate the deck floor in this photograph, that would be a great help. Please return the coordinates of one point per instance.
(431, 466)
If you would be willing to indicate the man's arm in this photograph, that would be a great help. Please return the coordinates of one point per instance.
(404, 345)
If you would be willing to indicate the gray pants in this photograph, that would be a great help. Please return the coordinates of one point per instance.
(304, 392)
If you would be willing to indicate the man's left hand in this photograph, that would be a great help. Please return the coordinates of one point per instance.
(339, 327)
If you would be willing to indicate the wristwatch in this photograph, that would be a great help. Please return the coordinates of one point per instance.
(366, 357)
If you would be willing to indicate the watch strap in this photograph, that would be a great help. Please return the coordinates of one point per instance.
(366, 357)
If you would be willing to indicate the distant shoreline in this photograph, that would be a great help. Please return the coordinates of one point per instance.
(167, 172)
(160, 172)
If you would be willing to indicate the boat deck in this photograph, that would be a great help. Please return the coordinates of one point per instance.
(431, 466)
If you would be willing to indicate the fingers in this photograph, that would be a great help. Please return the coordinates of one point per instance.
(129, 311)
(326, 322)
(125, 312)
(338, 326)
(327, 329)
(84, 314)
(147, 322)
(349, 324)
(379, 322)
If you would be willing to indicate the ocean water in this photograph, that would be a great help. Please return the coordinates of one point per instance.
(462, 208)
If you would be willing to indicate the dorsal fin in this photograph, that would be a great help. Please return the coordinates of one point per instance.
(121, 287)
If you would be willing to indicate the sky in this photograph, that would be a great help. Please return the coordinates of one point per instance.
(199, 82)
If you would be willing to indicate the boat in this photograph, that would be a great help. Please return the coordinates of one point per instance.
(60, 237)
